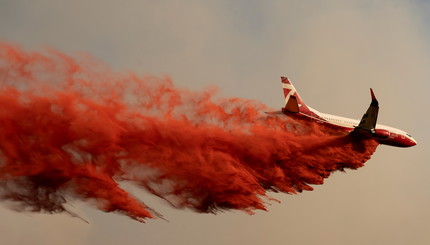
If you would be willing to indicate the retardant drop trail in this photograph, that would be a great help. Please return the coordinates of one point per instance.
(72, 129)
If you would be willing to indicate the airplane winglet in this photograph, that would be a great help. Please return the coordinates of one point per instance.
(374, 100)
(373, 95)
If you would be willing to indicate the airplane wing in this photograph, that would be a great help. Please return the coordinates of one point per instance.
(368, 121)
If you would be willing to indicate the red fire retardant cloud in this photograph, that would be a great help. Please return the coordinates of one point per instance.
(72, 129)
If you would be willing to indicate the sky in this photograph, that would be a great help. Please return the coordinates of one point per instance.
(333, 51)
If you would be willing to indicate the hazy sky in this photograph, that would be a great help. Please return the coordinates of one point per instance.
(333, 51)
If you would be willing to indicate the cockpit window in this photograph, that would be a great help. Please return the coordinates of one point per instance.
(409, 135)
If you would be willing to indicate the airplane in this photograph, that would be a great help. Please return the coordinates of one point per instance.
(365, 128)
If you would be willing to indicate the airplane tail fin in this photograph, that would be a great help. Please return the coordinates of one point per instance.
(293, 102)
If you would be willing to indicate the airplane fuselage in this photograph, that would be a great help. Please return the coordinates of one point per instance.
(383, 134)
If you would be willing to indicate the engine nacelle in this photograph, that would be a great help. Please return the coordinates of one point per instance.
(381, 134)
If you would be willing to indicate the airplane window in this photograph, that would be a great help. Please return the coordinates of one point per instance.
(409, 135)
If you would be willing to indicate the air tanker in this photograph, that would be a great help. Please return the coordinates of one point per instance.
(365, 128)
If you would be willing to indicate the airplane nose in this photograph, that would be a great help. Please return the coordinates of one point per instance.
(412, 142)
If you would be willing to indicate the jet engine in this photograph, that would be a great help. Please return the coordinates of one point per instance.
(381, 133)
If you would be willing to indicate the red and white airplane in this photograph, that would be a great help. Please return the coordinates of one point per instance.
(367, 127)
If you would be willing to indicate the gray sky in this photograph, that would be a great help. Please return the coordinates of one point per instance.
(333, 51)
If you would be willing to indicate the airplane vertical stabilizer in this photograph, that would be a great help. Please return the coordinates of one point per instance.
(293, 102)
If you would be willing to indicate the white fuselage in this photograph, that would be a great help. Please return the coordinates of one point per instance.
(348, 123)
